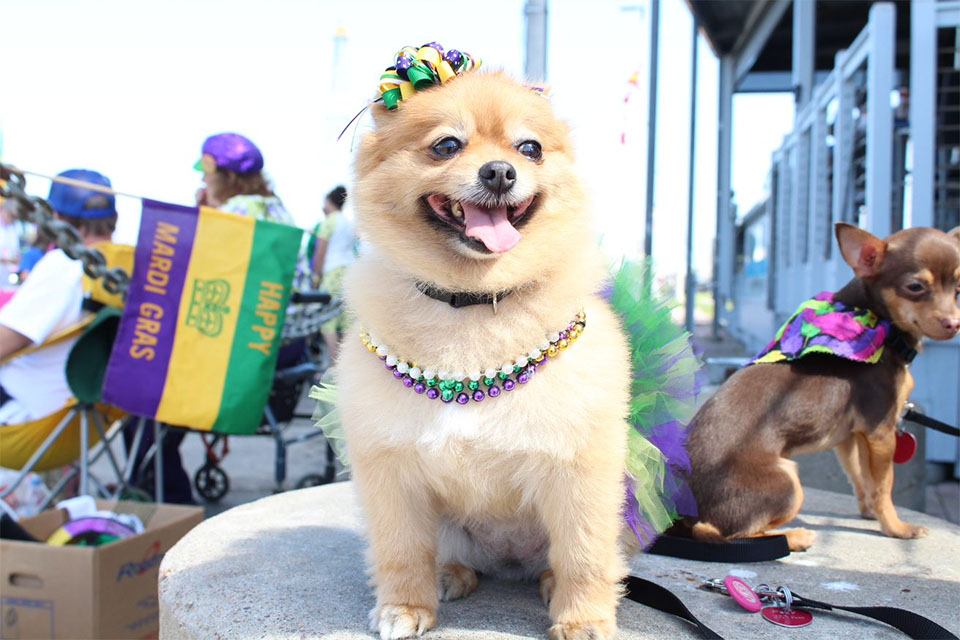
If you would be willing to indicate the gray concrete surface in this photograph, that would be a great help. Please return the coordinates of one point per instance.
(291, 566)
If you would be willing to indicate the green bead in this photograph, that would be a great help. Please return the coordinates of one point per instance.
(445, 385)
(516, 369)
(489, 381)
(458, 387)
(447, 394)
(503, 376)
(432, 382)
(473, 385)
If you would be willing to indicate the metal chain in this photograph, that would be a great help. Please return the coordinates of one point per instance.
(65, 236)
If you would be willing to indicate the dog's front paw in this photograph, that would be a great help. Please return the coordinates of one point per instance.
(592, 630)
(906, 531)
(800, 539)
(395, 621)
(455, 581)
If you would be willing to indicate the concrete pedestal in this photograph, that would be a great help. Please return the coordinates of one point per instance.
(291, 566)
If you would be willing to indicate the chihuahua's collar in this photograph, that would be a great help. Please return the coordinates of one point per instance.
(901, 343)
(459, 299)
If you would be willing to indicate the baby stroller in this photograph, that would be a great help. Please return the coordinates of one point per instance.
(301, 360)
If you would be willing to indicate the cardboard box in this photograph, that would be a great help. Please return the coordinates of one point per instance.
(88, 592)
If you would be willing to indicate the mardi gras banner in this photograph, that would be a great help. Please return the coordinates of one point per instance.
(197, 343)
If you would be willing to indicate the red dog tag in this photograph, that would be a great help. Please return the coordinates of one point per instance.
(906, 447)
(790, 618)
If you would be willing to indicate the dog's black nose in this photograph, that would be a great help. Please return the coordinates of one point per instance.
(498, 176)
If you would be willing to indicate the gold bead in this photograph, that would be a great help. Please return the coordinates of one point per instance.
(563, 344)
(574, 334)
(371, 348)
(552, 351)
(539, 358)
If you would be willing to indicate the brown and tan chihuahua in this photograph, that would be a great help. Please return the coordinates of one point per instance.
(742, 440)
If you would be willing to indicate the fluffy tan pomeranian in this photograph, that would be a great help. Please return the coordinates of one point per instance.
(464, 460)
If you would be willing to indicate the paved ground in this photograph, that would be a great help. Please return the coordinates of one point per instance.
(290, 566)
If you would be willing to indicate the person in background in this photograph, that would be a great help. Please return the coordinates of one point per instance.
(34, 385)
(233, 174)
(331, 248)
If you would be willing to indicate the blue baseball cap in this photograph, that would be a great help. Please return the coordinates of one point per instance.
(230, 151)
(80, 202)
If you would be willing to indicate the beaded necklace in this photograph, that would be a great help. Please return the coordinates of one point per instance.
(480, 383)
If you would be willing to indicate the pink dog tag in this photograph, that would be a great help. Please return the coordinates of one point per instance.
(790, 618)
(906, 447)
(742, 594)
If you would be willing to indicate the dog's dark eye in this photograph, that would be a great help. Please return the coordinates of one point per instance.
(916, 287)
(447, 147)
(530, 149)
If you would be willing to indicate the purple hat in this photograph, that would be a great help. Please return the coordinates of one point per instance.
(230, 151)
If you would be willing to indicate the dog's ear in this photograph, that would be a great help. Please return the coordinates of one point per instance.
(862, 250)
(955, 234)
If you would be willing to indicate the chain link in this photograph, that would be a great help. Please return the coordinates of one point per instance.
(36, 210)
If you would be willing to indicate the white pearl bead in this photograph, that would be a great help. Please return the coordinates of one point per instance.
(415, 372)
(403, 367)
(474, 375)
(534, 354)
(459, 376)
(429, 375)
(554, 336)
(506, 368)
(490, 373)
(444, 375)
(544, 346)
(382, 350)
(392, 360)
(521, 362)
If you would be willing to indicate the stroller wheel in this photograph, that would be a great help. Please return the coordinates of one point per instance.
(316, 479)
(211, 482)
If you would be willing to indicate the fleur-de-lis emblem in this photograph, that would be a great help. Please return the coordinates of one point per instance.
(208, 306)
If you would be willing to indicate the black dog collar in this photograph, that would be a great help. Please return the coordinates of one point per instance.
(898, 343)
(459, 299)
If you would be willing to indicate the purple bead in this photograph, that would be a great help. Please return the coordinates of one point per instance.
(509, 384)
(433, 393)
(463, 398)
(532, 369)
(493, 391)
(478, 395)
(523, 378)
(564, 335)
(407, 381)
(454, 57)
(435, 45)
(397, 374)
(419, 387)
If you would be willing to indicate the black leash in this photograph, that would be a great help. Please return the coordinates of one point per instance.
(660, 598)
(762, 549)
(460, 299)
(931, 423)
(910, 623)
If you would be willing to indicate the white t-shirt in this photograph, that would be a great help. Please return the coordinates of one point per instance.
(48, 302)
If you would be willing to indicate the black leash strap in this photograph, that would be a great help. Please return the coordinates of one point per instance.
(744, 550)
(931, 423)
(653, 595)
(912, 624)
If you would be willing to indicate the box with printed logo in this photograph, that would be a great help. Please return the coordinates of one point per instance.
(88, 592)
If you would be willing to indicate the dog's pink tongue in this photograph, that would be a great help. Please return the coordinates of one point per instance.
(491, 227)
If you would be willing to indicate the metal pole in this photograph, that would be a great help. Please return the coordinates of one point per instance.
(691, 285)
(651, 126)
(536, 63)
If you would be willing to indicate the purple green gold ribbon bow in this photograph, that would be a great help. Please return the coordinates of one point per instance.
(418, 69)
